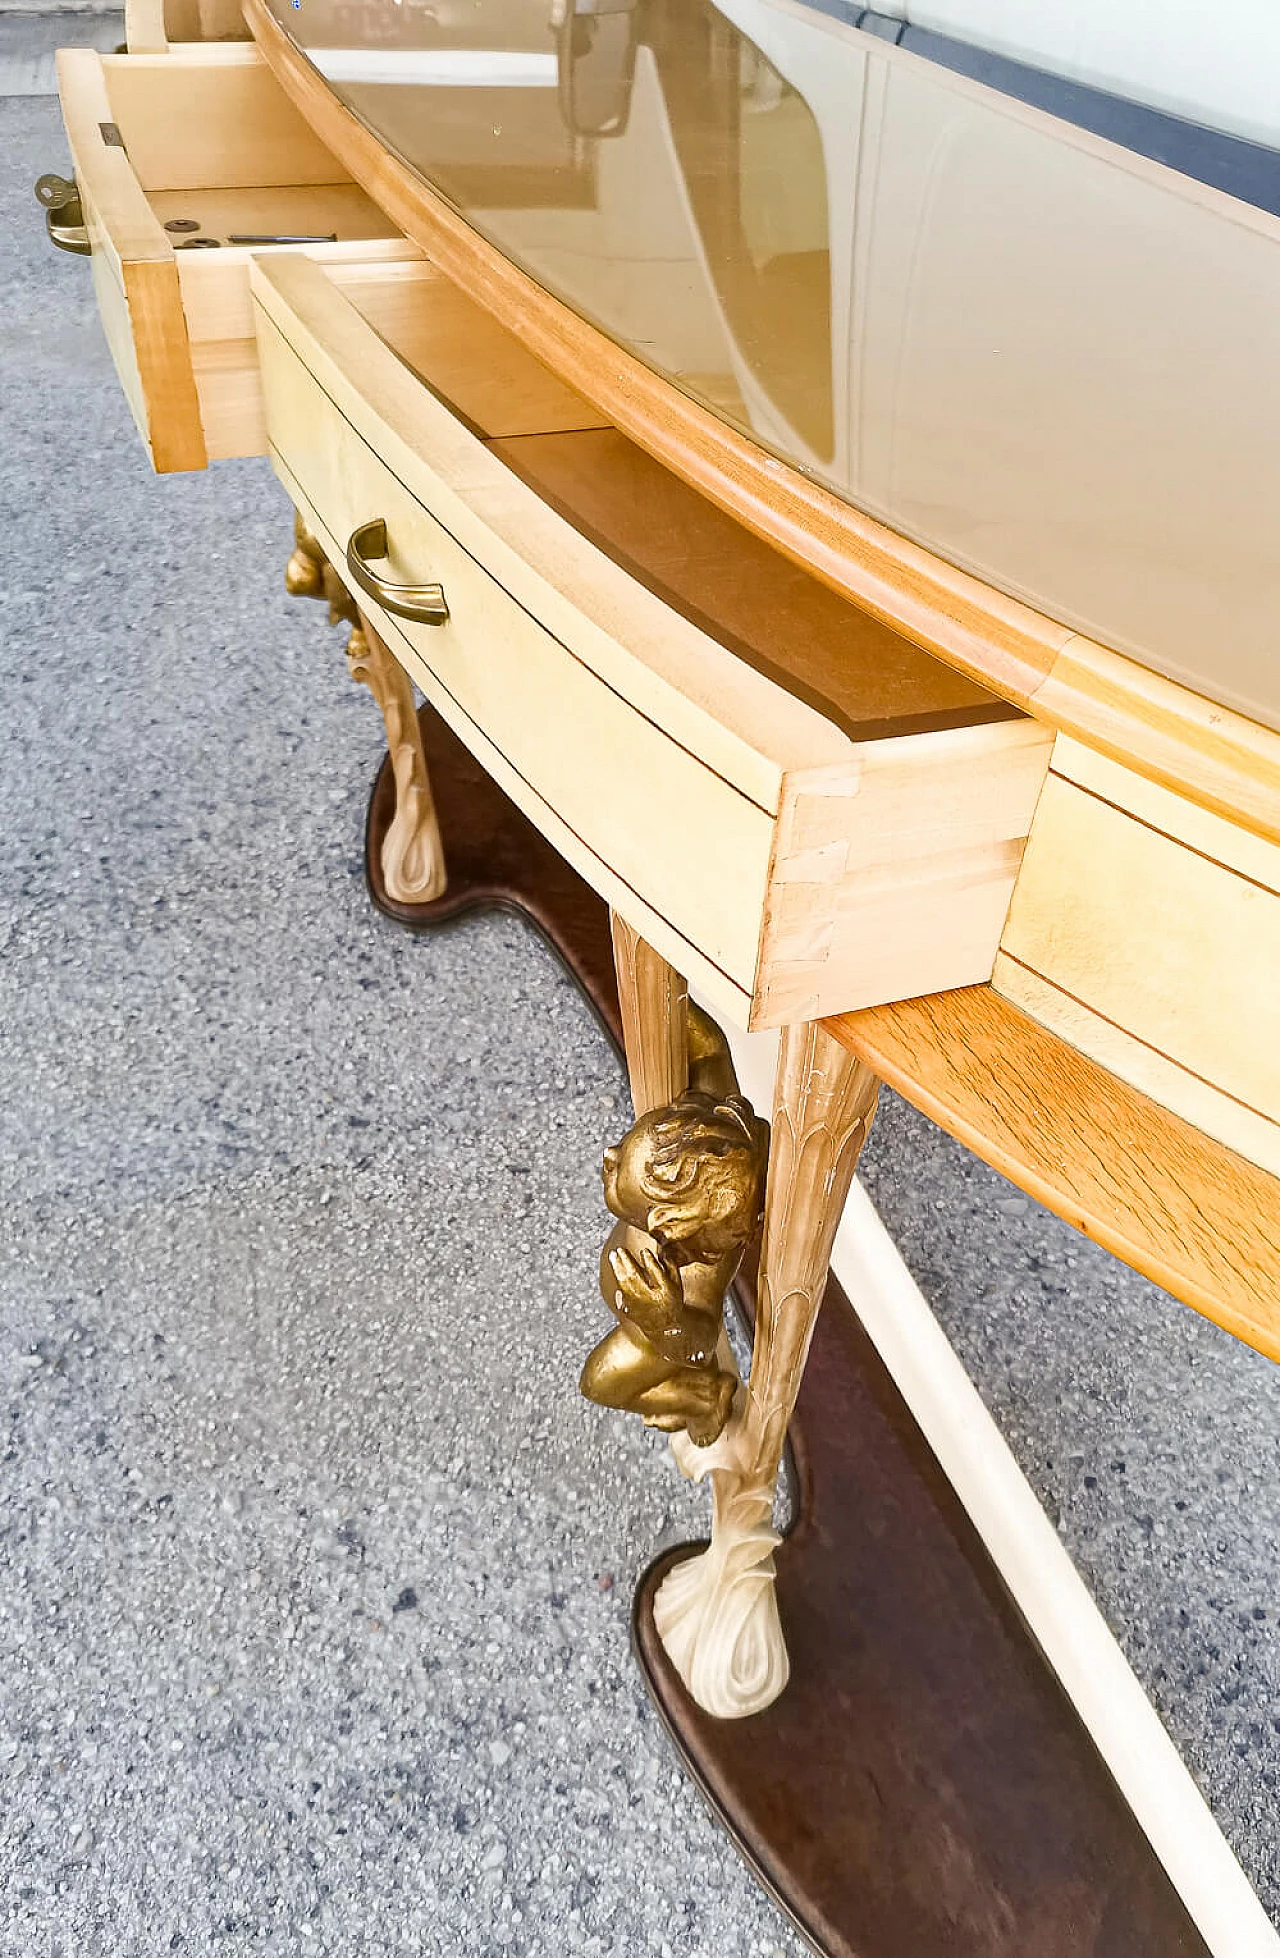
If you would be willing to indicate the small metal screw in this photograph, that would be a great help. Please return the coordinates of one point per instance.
(182, 224)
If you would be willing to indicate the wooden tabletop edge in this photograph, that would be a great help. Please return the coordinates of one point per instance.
(930, 1051)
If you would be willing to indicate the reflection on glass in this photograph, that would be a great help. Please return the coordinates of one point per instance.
(1049, 356)
(749, 154)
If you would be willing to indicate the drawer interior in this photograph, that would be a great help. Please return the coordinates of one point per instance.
(151, 25)
(327, 213)
(182, 159)
(221, 155)
(862, 675)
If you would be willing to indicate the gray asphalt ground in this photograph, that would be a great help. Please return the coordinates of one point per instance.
(314, 1570)
(29, 42)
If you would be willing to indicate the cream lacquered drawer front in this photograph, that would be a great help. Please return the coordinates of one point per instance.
(1145, 931)
(625, 799)
(782, 865)
(197, 145)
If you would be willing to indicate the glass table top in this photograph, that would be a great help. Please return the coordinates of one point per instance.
(1004, 276)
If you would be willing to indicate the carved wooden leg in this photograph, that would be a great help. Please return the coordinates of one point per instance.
(671, 1259)
(655, 1019)
(304, 573)
(660, 1033)
(717, 1613)
(924, 1783)
(413, 866)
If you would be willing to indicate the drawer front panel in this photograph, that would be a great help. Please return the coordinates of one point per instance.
(1147, 933)
(692, 847)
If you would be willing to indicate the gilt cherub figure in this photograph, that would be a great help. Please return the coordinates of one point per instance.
(686, 1184)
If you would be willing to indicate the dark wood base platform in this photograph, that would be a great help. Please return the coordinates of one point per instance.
(923, 1788)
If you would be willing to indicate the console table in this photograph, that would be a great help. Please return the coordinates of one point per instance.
(614, 370)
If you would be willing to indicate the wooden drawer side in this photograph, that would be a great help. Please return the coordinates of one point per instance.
(134, 273)
(219, 308)
(726, 997)
(892, 878)
(214, 118)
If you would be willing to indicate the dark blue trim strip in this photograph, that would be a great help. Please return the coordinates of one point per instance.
(1249, 171)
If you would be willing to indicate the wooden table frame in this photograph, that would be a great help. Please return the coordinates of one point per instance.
(1187, 1192)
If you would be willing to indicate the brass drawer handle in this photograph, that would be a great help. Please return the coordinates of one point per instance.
(423, 603)
(63, 215)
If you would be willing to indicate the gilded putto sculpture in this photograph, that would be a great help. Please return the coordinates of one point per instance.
(686, 1184)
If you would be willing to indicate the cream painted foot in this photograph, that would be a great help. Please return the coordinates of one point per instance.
(413, 866)
(717, 1613)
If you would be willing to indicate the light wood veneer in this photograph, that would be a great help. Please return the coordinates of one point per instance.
(204, 133)
(1176, 1205)
(786, 866)
(1146, 932)
(1218, 758)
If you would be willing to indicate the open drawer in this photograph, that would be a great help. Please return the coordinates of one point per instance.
(175, 157)
(798, 808)
(154, 26)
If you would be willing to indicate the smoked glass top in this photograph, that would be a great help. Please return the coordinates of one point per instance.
(1003, 275)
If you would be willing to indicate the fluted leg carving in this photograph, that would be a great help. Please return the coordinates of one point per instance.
(655, 1017)
(413, 866)
(717, 1613)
